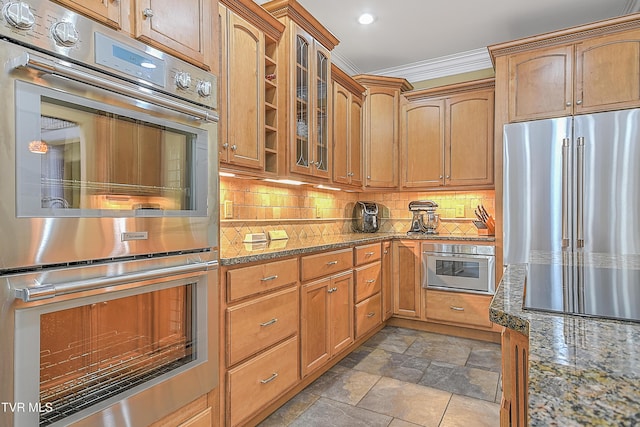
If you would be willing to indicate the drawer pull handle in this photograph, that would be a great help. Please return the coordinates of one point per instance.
(270, 322)
(371, 281)
(369, 253)
(266, 279)
(373, 313)
(271, 378)
(332, 262)
(453, 307)
(332, 290)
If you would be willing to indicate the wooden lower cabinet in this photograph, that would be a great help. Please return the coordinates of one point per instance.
(515, 379)
(406, 278)
(263, 378)
(386, 282)
(326, 325)
(458, 308)
(368, 314)
(199, 413)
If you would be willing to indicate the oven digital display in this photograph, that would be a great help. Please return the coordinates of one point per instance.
(132, 58)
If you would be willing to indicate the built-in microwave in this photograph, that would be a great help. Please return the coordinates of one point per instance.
(459, 267)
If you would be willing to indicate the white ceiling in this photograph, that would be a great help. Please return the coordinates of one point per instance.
(421, 39)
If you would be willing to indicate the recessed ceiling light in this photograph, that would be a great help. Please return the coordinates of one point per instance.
(366, 19)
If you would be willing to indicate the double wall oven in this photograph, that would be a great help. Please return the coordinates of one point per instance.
(108, 208)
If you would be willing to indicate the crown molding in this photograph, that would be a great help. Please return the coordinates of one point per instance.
(344, 64)
(632, 6)
(463, 62)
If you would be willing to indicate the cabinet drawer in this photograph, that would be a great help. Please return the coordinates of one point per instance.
(368, 315)
(327, 263)
(262, 379)
(246, 281)
(454, 307)
(367, 281)
(367, 253)
(257, 324)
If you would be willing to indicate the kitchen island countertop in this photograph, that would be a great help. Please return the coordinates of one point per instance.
(240, 253)
(583, 371)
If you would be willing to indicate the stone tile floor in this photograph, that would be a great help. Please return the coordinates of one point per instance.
(402, 378)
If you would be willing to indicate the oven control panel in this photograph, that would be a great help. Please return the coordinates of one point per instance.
(53, 29)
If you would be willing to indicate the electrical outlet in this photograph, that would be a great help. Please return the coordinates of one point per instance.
(228, 209)
(459, 211)
(318, 212)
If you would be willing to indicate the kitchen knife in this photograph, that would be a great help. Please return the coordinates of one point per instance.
(480, 225)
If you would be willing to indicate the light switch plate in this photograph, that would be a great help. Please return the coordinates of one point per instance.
(228, 209)
(459, 211)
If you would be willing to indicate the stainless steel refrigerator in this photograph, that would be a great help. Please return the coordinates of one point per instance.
(572, 194)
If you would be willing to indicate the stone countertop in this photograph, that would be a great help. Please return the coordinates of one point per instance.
(583, 371)
(240, 253)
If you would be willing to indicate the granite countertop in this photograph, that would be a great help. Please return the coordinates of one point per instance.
(583, 371)
(240, 253)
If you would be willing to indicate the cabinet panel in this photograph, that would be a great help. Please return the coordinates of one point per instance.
(341, 99)
(247, 281)
(105, 11)
(367, 281)
(368, 315)
(313, 266)
(608, 72)
(255, 325)
(406, 276)
(367, 253)
(460, 308)
(469, 141)
(244, 144)
(261, 379)
(314, 325)
(355, 141)
(382, 139)
(341, 315)
(423, 144)
(184, 30)
(387, 285)
(540, 83)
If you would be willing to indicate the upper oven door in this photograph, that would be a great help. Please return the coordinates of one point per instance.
(458, 272)
(99, 171)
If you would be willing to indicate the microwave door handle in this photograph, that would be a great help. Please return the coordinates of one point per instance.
(54, 68)
(46, 291)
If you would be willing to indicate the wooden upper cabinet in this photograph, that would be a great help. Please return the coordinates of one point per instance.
(108, 12)
(608, 72)
(447, 136)
(540, 83)
(381, 129)
(242, 142)
(347, 129)
(423, 143)
(183, 28)
(585, 69)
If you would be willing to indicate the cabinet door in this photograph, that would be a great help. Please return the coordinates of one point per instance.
(245, 80)
(105, 11)
(608, 72)
(406, 274)
(341, 101)
(423, 144)
(321, 112)
(387, 288)
(381, 146)
(301, 151)
(469, 139)
(182, 28)
(314, 325)
(341, 316)
(355, 141)
(540, 84)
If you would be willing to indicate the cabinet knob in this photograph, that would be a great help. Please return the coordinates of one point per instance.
(234, 147)
(368, 176)
(441, 176)
(225, 145)
(579, 102)
(568, 104)
(148, 13)
(448, 176)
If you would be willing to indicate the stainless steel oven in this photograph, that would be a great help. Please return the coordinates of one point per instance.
(108, 146)
(458, 267)
(108, 344)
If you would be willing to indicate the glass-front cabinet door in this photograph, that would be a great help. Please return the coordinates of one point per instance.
(310, 151)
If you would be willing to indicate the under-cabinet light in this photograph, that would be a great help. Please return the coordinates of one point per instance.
(324, 187)
(229, 174)
(284, 181)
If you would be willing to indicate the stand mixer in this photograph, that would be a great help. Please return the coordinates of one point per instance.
(425, 219)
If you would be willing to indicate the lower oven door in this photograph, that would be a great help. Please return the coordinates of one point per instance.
(458, 272)
(118, 345)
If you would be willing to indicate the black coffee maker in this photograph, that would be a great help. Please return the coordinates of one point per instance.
(365, 217)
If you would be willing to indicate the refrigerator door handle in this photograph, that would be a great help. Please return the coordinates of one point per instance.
(566, 145)
(580, 191)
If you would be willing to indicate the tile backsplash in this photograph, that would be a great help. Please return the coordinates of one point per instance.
(256, 206)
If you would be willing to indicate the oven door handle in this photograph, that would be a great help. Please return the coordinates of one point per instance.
(48, 66)
(457, 255)
(46, 291)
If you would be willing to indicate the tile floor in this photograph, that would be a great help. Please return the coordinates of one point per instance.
(402, 378)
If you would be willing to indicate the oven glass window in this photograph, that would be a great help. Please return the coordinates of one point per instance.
(92, 159)
(93, 352)
(470, 269)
